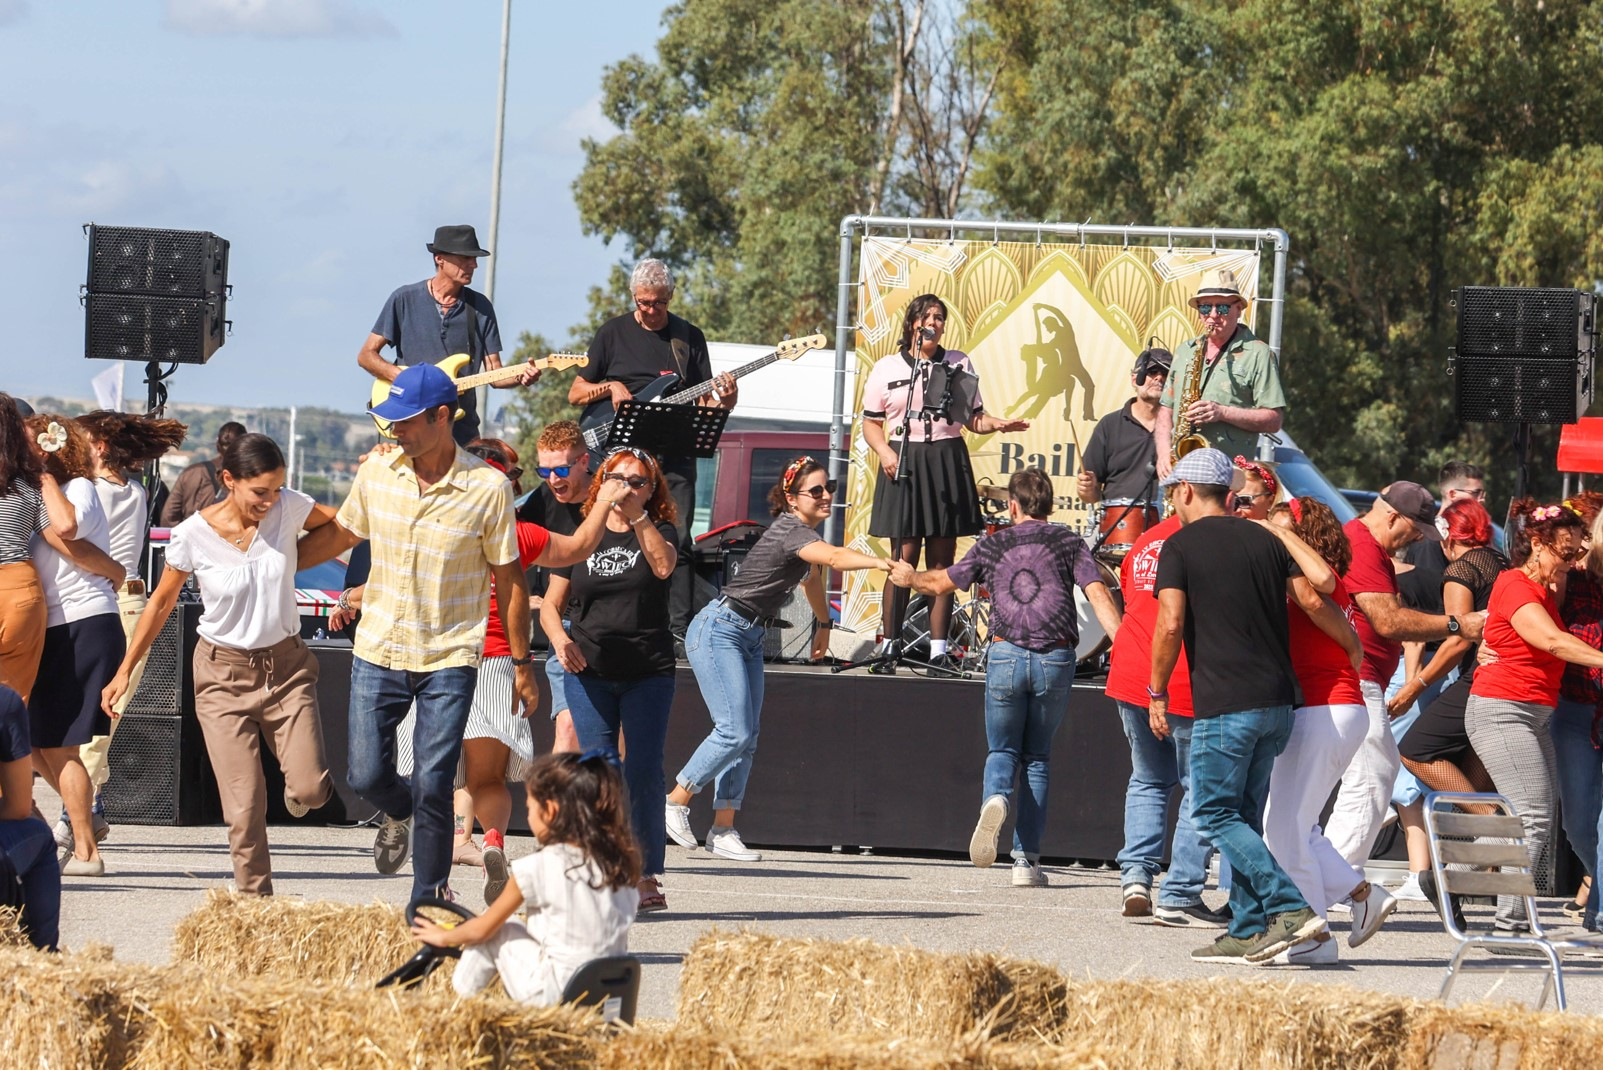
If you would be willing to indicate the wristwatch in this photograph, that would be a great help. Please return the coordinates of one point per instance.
(1452, 624)
(527, 659)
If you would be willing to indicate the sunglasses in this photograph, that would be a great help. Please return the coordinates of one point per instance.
(651, 305)
(1209, 310)
(560, 471)
(636, 482)
(514, 473)
(817, 493)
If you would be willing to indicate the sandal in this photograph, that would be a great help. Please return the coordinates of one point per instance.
(651, 898)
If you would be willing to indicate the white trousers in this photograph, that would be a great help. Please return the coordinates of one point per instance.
(1366, 784)
(1323, 742)
(526, 972)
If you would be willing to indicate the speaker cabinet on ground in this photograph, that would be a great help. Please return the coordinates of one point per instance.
(788, 644)
(1524, 355)
(160, 774)
(155, 295)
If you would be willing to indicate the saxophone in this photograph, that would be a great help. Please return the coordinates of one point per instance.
(1185, 437)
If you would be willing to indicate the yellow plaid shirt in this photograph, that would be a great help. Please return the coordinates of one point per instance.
(428, 594)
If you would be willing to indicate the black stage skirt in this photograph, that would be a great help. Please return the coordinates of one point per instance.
(935, 498)
(79, 660)
(1439, 735)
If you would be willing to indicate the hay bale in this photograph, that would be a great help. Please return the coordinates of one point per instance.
(249, 936)
(11, 935)
(789, 989)
(1502, 1037)
(695, 1050)
(67, 1011)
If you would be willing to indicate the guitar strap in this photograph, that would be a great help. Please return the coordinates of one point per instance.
(679, 344)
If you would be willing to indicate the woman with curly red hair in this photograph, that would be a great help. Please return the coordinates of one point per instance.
(1512, 698)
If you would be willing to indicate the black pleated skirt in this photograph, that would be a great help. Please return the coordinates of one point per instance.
(935, 498)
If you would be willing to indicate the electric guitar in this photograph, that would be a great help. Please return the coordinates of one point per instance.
(598, 427)
(453, 366)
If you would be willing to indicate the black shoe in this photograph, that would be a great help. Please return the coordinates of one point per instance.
(945, 664)
(1427, 884)
(884, 668)
(1196, 916)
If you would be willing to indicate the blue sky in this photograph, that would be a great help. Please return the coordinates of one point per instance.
(325, 139)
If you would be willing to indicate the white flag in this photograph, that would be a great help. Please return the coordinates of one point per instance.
(108, 388)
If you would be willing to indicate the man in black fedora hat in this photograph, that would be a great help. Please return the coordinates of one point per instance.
(439, 317)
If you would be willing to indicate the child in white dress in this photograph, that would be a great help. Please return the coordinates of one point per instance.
(578, 887)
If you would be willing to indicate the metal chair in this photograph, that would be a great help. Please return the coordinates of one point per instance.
(1491, 840)
(611, 983)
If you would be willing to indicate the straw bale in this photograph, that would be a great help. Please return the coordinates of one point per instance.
(11, 934)
(697, 1050)
(1502, 1037)
(250, 936)
(790, 989)
(67, 1011)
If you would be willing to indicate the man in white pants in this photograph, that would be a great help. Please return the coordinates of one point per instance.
(1403, 513)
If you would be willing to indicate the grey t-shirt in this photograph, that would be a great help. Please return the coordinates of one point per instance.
(411, 322)
(772, 567)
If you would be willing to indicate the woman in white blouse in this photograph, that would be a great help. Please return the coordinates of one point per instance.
(255, 679)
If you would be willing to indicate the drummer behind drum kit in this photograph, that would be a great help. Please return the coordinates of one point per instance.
(1119, 523)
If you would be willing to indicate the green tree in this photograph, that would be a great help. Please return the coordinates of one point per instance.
(1408, 148)
(528, 411)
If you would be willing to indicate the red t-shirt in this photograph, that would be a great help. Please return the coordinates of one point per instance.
(1521, 673)
(1322, 668)
(532, 540)
(1130, 670)
(1371, 573)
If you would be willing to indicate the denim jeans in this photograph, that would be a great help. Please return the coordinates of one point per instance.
(640, 707)
(726, 653)
(1026, 695)
(32, 853)
(1156, 767)
(380, 699)
(1407, 789)
(1580, 789)
(1232, 756)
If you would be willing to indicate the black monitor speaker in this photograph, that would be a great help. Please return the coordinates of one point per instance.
(1524, 355)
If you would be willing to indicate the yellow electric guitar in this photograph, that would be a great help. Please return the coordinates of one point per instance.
(453, 366)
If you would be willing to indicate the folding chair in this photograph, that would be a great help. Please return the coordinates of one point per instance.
(611, 983)
(1491, 840)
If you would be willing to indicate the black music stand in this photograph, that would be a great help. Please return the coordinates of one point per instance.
(668, 430)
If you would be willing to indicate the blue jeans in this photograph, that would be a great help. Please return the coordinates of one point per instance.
(640, 707)
(380, 699)
(1407, 789)
(726, 653)
(1231, 758)
(557, 677)
(1156, 767)
(32, 853)
(1580, 789)
(1026, 695)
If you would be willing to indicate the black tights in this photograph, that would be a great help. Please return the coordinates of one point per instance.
(938, 553)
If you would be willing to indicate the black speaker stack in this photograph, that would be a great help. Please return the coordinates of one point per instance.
(157, 296)
(1524, 355)
(792, 642)
(160, 774)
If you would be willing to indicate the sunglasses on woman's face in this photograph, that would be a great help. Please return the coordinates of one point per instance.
(635, 482)
(817, 493)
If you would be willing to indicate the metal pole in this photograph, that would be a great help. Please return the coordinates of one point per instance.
(289, 476)
(837, 426)
(495, 188)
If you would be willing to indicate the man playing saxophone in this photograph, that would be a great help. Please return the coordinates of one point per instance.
(1229, 378)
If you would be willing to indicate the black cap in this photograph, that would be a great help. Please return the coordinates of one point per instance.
(1151, 360)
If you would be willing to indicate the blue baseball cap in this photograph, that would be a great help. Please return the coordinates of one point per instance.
(1204, 467)
(417, 389)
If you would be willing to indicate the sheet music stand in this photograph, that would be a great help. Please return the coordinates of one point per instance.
(668, 430)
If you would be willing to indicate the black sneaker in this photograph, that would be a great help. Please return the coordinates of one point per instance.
(1227, 948)
(393, 844)
(1292, 927)
(1196, 916)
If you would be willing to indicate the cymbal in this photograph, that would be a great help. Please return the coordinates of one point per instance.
(992, 492)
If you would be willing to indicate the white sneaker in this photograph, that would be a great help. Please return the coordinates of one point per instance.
(1410, 890)
(982, 845)
(677, 818)
(726, 843)
(1368, 915)
(1027, 874)
(1308, 953)
(1342, 906)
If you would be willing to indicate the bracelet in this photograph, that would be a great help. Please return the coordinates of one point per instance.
(1151, 694)
(823, 623)
(527, 659)
(344, 602)
(637, 520)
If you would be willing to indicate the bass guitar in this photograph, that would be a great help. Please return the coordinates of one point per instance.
(453, 366)
(598, 427)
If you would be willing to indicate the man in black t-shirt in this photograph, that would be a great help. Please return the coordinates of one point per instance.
(628, 354)
(1222, 584)
(1120, 460)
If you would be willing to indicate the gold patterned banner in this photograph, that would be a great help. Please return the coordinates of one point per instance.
(1053, 330)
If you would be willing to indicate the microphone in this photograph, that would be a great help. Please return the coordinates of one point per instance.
(927, 333)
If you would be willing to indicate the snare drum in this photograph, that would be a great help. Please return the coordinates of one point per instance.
(994, 524)
(1094, 640)
(1120, 522)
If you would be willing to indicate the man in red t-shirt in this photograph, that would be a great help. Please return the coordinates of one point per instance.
(1156, 765)
(1403, 513)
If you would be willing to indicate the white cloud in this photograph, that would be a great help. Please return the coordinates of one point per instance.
(13, 12)
(587, 121)
(276, 18)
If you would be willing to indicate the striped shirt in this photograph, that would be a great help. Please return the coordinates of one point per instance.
(22, 512)
(426, 598)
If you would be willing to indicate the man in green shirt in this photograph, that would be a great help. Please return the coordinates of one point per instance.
(1240, 396)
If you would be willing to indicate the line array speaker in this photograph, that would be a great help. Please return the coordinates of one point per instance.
(155, 295)
(1524, 355)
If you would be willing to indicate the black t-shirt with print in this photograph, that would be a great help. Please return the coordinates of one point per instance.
(618, 609)
(1237, 639)
(625, 351)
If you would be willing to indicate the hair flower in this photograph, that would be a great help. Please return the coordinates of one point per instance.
(53, 437)
(1547, 512)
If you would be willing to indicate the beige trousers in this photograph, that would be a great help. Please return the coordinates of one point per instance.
(130, 603)
(241, 698)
